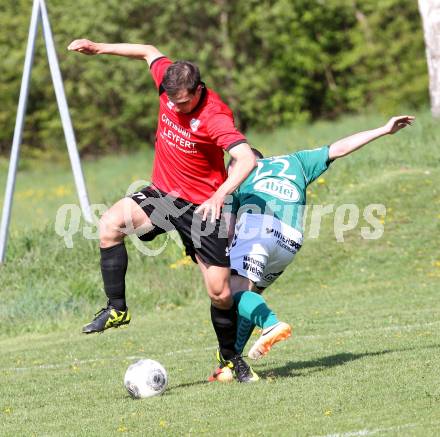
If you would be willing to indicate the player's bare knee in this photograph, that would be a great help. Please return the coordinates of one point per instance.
(109, 233)
(221, 298)
(221, 303)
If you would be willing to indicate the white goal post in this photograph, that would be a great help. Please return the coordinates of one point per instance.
(430, 12)
(39, 15)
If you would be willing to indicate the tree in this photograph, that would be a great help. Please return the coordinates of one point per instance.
(430, 12)
(273, 61)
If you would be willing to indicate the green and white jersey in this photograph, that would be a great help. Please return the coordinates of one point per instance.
(277, 186)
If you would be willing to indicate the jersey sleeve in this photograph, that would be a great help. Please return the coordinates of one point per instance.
(313, 162)
(158, 68)
(223, 132)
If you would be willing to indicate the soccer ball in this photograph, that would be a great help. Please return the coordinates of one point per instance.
(145, 378)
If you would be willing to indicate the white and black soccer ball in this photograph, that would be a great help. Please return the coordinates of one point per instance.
(145, 378)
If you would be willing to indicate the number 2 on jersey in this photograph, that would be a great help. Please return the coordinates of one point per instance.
(259, 174)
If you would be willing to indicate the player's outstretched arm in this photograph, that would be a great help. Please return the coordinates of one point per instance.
(245, 162)
(347, 145)
(137, 51)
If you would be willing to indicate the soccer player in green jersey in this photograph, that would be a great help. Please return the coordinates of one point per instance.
(266, 223)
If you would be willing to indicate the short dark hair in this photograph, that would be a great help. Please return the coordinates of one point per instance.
(181, 75)
(257, 155)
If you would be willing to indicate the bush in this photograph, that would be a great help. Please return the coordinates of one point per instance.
(274, 62)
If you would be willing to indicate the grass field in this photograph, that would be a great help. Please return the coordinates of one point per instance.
(363, 359)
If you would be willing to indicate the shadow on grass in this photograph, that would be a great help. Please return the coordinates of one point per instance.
(305, 368)
(189, 384)
(170, 390)
(294, 368)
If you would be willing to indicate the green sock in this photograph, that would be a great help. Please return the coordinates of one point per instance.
(253, 307)
(244, 331)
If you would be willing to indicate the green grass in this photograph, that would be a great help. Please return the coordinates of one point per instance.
(42, 187)
(364, 356)
(354, 373)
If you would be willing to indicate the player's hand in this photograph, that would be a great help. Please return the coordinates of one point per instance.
(212, 206)
(397, 123)
(84, 46)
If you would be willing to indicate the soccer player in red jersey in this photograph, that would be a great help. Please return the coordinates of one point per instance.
(189, 186)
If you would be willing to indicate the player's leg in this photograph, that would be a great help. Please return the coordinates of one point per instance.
(207, 244)
(250, 259)
(224, 320)
(223, 314)
(123, 218)
(249, 256)
(208, 248)
(253, 311)
(245, 326)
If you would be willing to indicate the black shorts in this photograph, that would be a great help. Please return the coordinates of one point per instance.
(208, 240)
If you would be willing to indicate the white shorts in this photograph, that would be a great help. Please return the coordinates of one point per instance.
(263, 247)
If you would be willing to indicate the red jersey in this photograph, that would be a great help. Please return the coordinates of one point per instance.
(190, 147)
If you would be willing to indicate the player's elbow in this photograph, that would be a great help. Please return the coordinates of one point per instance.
(246, 162)
(148, 51)
(335, 153)
(242, 158)
(253, 161)
(250, 160)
